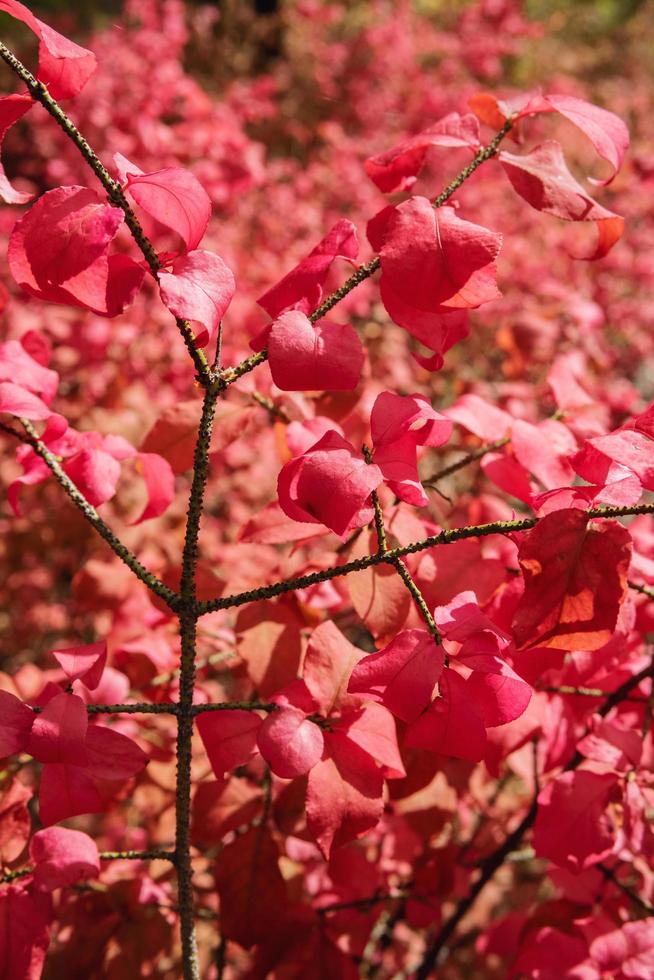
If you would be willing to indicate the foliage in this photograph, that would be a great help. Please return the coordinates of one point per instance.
(339, 661)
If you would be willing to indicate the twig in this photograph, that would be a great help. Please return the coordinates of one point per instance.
(388, 557)
(114, 191)
(94, 519)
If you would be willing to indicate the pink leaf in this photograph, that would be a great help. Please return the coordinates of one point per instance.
(305, 357)
(330, 484)
(57, 252)
(63, 857)
(200, 287)
(159, 483)
(399, 425)
(16, 721)
(20, 402)
(484, 419)
(402, 675)
(85, 663)
(290, 743)
(626, 952)
(605, 130)
(499, 695)
(301, 288)
(19, 366)
(328, 663)
(95, 473)
(372, 728)
(544, 181)
(64, 66)
(176, 199)
(397, 168)
(344, 794)
(12, 108)
(229, 738)
(571, 827)
(433, 262)
(58, 733)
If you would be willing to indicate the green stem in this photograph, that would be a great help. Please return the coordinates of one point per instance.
(90, 513)
(389, 557)
(114, 192)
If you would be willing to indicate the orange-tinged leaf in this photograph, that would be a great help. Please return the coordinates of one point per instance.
(269, 641)
(378, 593)
(575, 582)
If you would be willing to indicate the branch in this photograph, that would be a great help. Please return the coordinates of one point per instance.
(188, 619)
(496, 859)
(230, 375)
(114, 191)
(152, 855)
(90, 513)
(389, 557)
(471, 457)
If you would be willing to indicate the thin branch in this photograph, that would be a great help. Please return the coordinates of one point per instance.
(230, 375)
(471, 457)
(90, 513)
(151, 855)
(201, 709)
(610, 875)
(643, 589)
(141, 708)
(114, 191)
(496, 859)
(388, 557)
(584, 692)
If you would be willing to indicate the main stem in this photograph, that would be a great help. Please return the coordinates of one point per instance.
(188, 619)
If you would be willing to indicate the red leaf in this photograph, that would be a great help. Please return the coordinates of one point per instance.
(25, 917)
(328, 663)
(12, 108)
(251, 888)
(95, 473)
(433, 262)
(575, 582)
(314, 357)
(219, 808)
(22, 368)
(84, 663)
(57, 252)
(329, 484)
(571, 826)
(64, 66)
(290, 743)
(399, 424)
(63, 857)
(269, 641)
(397, 168)
(20, 402)
(544, 181)
(378, 594)
(344, 794)
(58, 733)
(627, 447)
(67, 791)
(372, 728)
(229, 738)
(15, 820)
(111, 755)
(159, 481)
(16, 721)
(402, 675)
(200, 287)
(175, 198)
(450, 726)
(301, 288)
